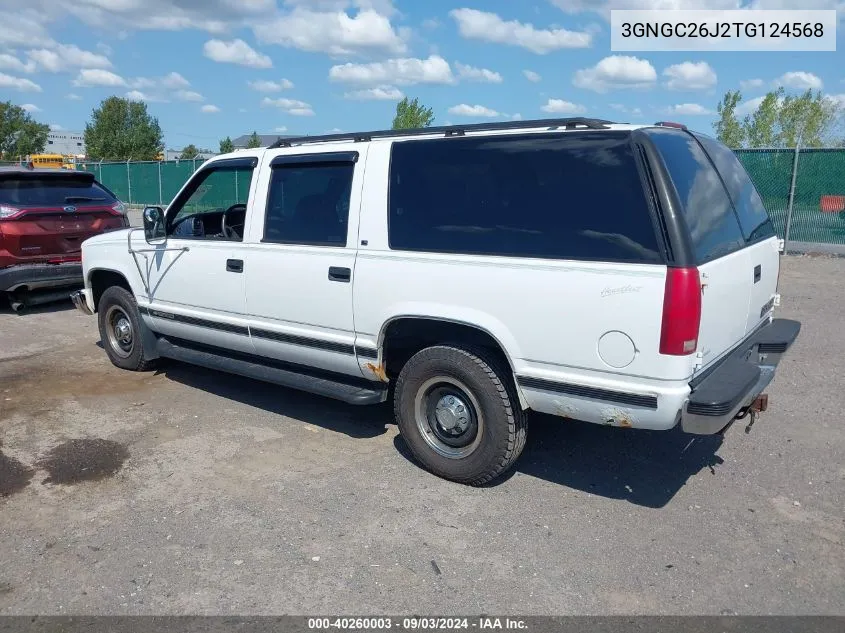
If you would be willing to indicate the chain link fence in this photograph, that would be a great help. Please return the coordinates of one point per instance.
(803, 190)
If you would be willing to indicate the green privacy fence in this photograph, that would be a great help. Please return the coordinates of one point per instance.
(804, 191)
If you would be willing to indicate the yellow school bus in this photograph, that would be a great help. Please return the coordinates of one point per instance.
(48, 161)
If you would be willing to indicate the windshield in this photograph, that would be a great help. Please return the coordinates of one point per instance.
(46, 191)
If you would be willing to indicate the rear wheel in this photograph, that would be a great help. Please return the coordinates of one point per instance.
(121, 328)
(458, 413)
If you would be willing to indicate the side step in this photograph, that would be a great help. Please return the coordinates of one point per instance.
(268, 370)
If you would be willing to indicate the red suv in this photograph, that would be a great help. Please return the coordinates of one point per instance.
(45, 215)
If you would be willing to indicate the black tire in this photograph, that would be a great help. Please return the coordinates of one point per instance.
(492, 429)
(117, 303)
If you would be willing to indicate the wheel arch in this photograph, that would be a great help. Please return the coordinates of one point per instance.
(99, 279)
(438, 330)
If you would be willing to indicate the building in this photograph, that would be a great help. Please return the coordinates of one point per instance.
(266, 139)
(174, 154)
(65, 143)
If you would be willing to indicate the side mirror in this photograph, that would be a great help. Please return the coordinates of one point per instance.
(153, 223)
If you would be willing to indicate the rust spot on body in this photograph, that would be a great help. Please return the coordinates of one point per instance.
(380, 371)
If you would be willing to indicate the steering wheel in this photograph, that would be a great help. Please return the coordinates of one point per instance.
(229, 229)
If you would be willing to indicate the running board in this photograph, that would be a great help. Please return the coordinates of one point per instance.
(266, 370)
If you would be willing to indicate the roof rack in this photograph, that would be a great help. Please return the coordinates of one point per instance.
(447, 130)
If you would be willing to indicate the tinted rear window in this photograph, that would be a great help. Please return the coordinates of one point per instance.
(564, 196)
(49, 191)
(749, 206)
(707, 208)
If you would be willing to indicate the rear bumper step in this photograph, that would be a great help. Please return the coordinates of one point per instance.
(735, 383)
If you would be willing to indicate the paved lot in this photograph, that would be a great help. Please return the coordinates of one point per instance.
(187, 491)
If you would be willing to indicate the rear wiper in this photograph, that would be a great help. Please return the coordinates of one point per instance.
(82, 199)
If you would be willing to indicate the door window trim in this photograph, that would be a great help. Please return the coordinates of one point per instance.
(312, 159)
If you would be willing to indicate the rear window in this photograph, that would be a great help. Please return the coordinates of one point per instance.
(574, 195)
(753, 218)
(707, 208)
(56, 191)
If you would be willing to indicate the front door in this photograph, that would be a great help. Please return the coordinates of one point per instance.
(196, 276)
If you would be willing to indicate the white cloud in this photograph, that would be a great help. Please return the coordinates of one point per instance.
(516, 117)
(10, 62)
(188, 95)
(688, 109)
(281, 129)
(208, 108)
(379, 93)
(603, 7)
(481, 75)
(264, 85)
(531, 76)
(333, 32)
(690, 76)
(30, 107)
(402, 71)
(751, 84)
(73, 96)
(799, 80)
(235, 52)
(747, 107)
(559, 106)
(291, 106)
(56, 127)
(616, 72)
(66, 57)
(19, 27)
(89, 77)
(489, 27)
(430, 24)
(18, 83)
(837, 100)
(473, 110)
(137, 95)
(636, 112)
(174, 81)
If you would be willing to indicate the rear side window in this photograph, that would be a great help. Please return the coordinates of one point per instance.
(753, 218)
(44, 191)
(574, 195)
(707, 208)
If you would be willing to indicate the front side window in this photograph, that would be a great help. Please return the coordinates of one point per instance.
(308, 204)
(573, 195)
(707, 208)
(213, 206)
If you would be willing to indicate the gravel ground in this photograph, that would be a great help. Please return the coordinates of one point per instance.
(191, 492)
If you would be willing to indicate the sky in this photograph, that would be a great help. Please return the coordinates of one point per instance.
(215, 68)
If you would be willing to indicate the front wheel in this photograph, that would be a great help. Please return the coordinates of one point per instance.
(121, 329)
(458, 413)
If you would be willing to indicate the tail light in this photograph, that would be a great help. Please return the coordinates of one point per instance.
(8, 212)
(681, 312)
(118, 208)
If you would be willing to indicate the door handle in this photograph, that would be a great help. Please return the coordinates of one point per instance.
(235, 265)
(758, 273)
(343, 275)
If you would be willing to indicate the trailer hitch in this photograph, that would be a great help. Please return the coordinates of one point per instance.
(760, 404)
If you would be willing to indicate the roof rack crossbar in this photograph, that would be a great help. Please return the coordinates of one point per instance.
(448, 130)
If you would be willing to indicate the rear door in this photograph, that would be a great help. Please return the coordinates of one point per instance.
(757, 229)
(47, 215)
(725, 266)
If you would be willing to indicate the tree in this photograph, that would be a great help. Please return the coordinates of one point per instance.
(254, 141)
(761, 125)
(809, 119)
(189, 152)
(728, 128)
(226, 145)
(20, 134)
(121, 129)
(410, 114)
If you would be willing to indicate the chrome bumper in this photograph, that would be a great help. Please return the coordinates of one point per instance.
(81, 302)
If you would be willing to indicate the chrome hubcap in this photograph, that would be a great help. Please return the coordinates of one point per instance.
(448, 417)
(119, 331)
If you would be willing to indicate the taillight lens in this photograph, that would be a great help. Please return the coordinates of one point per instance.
(119, 208)
(7, 212)
(681, 312)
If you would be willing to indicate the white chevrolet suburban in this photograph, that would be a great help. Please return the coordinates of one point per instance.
(623, 275)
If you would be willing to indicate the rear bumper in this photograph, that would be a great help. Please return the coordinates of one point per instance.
(39, 276)
(726, 389)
